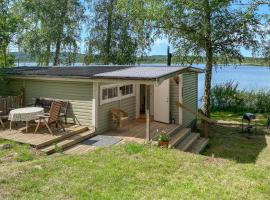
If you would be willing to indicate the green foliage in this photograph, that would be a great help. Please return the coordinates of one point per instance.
(7, 60)
(52, 30)
(163, 137)
(114, 34)
(214, 29)
(9, 25)
(228, 97)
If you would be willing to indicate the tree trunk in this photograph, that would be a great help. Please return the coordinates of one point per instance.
(57, 52)
(60, 34)
(209, 61)
(48, 54)
(5, 56)
(207, 83)
(109, 34)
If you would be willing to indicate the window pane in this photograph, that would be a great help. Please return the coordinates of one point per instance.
(131, 89)
(115, 92)
(104, 94)
(126, 90)
(123, 90)
(112, 92)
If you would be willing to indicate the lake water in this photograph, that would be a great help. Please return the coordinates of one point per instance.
(248, 77)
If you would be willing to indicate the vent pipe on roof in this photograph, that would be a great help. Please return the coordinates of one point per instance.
(169, 57)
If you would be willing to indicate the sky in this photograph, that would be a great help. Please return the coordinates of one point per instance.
(160, 45)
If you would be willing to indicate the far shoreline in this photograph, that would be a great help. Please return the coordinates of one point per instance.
(33, 64)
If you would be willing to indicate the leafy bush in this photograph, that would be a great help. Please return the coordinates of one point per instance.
(228, 97)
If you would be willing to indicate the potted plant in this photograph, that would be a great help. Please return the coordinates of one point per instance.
(163, 140)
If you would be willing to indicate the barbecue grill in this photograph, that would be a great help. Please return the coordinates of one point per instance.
(249, 117)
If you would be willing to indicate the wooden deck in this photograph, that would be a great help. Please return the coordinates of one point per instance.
(42, 138)
(44, 141)
(136, 130)
(134, 133)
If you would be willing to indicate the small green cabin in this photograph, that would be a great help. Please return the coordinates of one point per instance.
(93, 91)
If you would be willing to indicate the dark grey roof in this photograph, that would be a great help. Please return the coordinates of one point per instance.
(84, 72)
(99, 72)
(140, 73)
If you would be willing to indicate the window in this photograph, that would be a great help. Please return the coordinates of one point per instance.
(127, 90)
(110, 93)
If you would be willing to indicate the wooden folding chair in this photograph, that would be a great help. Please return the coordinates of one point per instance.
(119, 117)
(52, 118)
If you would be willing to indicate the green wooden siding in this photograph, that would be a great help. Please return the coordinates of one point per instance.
(190, 97)
(10, 87)
(79, 95)
(174, 97)
(104, 114)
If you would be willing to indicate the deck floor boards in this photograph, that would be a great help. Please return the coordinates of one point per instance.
(39, 139)
(136, 130)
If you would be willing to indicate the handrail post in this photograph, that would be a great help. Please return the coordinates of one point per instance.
(205, 120)
(147, 113)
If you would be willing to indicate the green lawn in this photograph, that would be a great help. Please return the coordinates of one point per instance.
(234, 166)
(18, 152)
(237, 117)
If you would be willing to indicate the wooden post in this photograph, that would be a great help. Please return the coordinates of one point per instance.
(22, 96)
(147, 125)
(206, 128)
(147, 113)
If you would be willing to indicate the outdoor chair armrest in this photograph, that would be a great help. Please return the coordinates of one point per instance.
(44, 116)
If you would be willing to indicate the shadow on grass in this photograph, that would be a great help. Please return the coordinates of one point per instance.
(230, 143)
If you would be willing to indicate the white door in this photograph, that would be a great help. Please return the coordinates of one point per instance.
(162, 102)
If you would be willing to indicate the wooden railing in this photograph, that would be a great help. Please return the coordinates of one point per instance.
(205, 120)
(11, 102)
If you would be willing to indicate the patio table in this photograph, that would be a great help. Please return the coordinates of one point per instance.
(25, 115)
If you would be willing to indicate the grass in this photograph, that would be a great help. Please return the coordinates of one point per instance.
(17, 152)
(234, 166)
(237, 117)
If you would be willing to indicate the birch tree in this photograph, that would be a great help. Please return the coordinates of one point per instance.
(115, 35)
(210, 30)
(53, 28)
(9, 26)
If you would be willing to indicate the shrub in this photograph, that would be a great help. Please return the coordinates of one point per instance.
(228, 97)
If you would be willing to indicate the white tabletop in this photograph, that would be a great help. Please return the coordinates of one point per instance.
(25, 114)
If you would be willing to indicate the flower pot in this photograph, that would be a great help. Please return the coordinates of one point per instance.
(164, 144)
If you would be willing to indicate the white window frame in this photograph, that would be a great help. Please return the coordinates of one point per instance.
(119, 97)
(127, 95)
(109, 99)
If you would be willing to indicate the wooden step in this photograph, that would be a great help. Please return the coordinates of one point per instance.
(68, 142)
(79, 149)
(174, 131)
(188, 141)
(73, 130)
(179, 137)
(198, 146)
